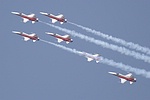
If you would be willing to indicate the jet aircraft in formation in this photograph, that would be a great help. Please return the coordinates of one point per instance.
(91, 57)
(66, 38)
(60, 38)
(54, 18)
(124, 78)
(27, 37)
(26, 18)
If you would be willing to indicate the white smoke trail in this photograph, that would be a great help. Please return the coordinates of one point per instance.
(131, 45)
(122, 50)
(107, 61)
(63, 47)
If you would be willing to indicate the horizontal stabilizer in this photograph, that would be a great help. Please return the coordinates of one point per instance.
(131, 82)
(33, 22)
(34, 40)
(61, 22)
(67, 42)
(97, 61)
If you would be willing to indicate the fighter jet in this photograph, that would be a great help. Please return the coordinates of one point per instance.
(27, 37)
(91, 57)
(124, 78)
(61, 38)
(54, 18)
(26, 18)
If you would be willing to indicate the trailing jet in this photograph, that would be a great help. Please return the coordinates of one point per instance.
(26, 18)
(54, 18)
(27, 37)
(61, 38)
(124, 78)
(91, 57)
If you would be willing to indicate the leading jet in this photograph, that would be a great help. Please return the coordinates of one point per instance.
(124, 78)
(54, 18)
(26, 18)
(27, 37)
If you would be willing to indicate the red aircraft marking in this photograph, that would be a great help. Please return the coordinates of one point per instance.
(30, 18)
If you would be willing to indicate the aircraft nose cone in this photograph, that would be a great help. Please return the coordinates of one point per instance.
(14, 12)
(113, 73)
(43, 13)
(49, 33)
(16, 32)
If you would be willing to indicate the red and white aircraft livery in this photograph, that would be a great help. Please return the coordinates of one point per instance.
(54, 18)
(26, 18)
(27, 37)
(124, 78)
(61, 38)
(91, 57)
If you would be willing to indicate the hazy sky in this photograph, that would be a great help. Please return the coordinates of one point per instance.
(40, 71)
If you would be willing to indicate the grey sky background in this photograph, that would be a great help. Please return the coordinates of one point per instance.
(40, 71)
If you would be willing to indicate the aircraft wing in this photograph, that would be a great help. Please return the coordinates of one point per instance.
(31, 15)
(59, 40)
(96, 55)
(26, 38)
(123, 80)
(54, 20)
(32, 34)
(60, 16)
(25, 20)
(129, 75)
(89, 59)
(66, 36)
